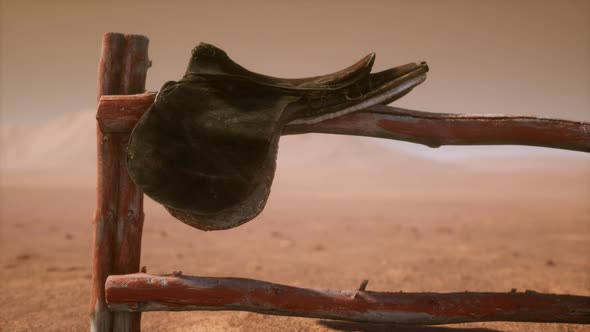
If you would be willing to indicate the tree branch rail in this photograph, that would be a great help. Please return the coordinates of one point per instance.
(143, 292)
(431, 129)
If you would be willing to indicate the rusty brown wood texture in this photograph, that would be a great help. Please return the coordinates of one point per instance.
(109, 73)
(119, 114)
(437, 129)
(118, 219)
(431, 129)
(130, 216)
(143, 292)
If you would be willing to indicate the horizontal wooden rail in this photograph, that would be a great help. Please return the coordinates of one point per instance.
(436, 129)
(119, 114)
(431, 129)
(143, 292)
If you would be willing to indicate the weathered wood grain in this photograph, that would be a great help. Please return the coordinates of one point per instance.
(119, 114)
(104, 221)
(130, 216)
(135, 64)
(437, 129)
(118, 219)
(142, 292)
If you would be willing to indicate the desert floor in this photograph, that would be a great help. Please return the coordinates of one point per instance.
(427, 230)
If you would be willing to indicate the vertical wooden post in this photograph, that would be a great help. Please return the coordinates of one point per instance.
(130, 213)
(118, 220)
(109, 75)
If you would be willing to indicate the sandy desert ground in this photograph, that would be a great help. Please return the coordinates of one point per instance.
(339, 213)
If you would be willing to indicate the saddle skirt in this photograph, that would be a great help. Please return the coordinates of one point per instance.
(207, 148)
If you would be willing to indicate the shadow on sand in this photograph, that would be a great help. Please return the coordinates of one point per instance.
(367, 327)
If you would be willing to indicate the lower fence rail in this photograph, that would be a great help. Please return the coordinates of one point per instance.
(143, 292)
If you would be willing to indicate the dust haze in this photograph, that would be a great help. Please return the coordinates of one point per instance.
(342, 209)
(347, 210)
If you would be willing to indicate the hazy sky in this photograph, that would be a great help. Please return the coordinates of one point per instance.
(522, 57)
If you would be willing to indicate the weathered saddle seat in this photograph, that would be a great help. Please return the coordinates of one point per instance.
(210, 60)
(206, 149)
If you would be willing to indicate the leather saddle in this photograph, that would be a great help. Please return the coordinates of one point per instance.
(207, 148)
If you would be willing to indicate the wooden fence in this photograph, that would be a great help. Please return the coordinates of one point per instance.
(120, 293)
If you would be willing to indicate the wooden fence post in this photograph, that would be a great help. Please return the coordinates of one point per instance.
(118, 219)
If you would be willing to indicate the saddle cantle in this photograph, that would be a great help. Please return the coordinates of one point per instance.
(206, 149)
